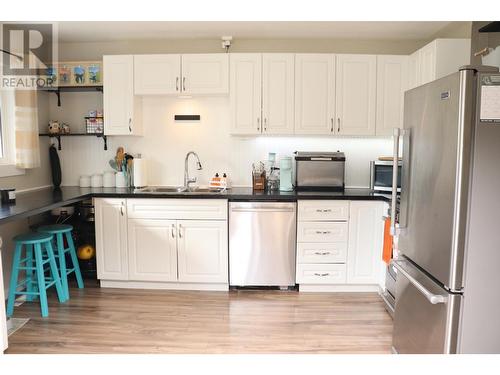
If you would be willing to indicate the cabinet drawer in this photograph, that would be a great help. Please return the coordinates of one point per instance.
(321, 274)
(322, 252)
(322, 232)
(323, 210)
(158, 208)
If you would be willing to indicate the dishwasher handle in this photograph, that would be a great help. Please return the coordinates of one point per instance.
(263, 209)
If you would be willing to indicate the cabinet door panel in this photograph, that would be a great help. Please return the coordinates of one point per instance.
(202, 251)
(392, 81)
(205, 73)
(414, 70)
(427, 63)
(277, 93)
(366, 230)
(152, 250)
(246, 93)
(157, 74)
(118, 83)
(356, 94)
(314, 93)
(111, 239)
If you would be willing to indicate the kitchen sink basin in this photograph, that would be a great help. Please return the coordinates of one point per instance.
(177, 189)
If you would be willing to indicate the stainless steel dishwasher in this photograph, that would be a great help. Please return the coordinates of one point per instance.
(262, 238)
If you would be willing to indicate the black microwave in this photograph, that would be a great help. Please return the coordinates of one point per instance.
(381, 176)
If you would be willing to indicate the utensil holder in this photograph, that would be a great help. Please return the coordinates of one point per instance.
(120, 180)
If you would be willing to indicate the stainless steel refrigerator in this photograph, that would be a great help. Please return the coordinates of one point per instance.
(448, 234)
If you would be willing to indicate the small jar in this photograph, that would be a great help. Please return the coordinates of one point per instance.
(96, 180)
(84, 181)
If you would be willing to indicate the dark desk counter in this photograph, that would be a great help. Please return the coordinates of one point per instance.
(38, 201)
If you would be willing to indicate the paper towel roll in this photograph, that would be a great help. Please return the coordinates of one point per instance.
(140, 172)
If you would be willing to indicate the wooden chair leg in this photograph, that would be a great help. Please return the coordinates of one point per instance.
(74, 260)
(41, 280)
(55, 273)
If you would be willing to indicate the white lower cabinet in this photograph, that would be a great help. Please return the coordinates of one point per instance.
(111, 238)
(202, 251)
(152, 250)
(339, 245)
(144, 250)
(366, 235)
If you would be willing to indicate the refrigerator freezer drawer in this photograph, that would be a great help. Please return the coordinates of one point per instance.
(425, 316)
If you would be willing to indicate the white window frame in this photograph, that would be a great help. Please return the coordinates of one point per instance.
(8, 136)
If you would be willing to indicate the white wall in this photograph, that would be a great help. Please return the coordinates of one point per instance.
(166, 143)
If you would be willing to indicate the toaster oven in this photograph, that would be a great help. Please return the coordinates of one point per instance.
(319, 170)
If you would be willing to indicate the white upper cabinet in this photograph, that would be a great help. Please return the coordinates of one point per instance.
(314, 93)
(111, 238)
(202, 251)
(204, 74)
(413, 70)
(245, 93)
(152, 250)
(392, 81)
(122, 110)
(277, 93)
(157, 74)
(438, 59)
(356, 94)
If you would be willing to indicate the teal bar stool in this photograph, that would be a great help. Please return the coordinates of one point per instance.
(61, 231)
(39, 246)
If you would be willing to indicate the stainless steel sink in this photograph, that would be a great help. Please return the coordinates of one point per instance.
(163, 189)
(177, 189)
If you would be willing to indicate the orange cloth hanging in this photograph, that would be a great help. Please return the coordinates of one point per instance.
(387, 250)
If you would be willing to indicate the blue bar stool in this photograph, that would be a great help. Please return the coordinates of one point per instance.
(39, 245)
(60, 230)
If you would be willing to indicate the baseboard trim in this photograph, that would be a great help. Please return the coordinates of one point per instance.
(167, 286)
(338, 288)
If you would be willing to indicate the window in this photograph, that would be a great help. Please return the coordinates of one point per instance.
(7, 135)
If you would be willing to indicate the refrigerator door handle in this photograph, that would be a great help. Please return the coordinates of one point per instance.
(433, 298)
(395, 165)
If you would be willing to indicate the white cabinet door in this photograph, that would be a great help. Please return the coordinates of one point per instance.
(414, 70)
(245, 93)
(152, 250)
(314, 93)
(205, 74)
(277, 93)
(202, 251)
(392, 81)
(355, 94)
(111, 238)
(157, 74)
(122, 110)
(366, 233)
(427, 62)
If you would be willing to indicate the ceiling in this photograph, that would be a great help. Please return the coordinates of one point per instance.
(119, 30)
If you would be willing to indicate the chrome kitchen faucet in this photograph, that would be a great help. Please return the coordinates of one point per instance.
(187, 179)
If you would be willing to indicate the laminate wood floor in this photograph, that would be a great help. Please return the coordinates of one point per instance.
(99, 320)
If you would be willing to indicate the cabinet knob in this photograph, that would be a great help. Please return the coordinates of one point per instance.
(183, 83)
(258, 124)
(176, 83)
(130, 124)
(338, 125)
(173, 231)
(331, 129)
(180, 231)
(265, 124)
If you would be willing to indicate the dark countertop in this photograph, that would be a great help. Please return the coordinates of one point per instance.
(38, 201)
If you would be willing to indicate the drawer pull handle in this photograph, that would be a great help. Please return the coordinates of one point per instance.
(321, 274)
(173, 230)
(322, 253)
(325, 210)
(322, 232)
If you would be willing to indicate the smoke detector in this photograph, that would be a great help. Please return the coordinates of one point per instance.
(226, 42)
